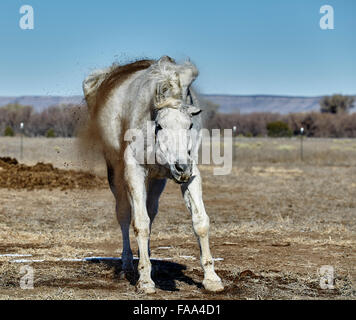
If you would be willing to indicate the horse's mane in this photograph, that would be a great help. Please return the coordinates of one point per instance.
(121, 73)
(98, 85)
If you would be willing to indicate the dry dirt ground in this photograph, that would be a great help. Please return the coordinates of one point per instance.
(275, 221)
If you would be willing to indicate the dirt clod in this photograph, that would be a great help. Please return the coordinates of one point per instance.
(14, 175)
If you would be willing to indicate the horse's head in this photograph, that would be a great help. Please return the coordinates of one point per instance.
(175, 137)
(173, 116)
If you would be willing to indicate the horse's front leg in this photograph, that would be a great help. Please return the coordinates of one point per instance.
(192, 193)
(135, 180)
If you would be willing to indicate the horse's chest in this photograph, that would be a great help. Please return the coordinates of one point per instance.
(158, 172)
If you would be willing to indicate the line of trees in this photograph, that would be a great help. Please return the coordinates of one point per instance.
(333, 120)
(315, 124)
(56, 121)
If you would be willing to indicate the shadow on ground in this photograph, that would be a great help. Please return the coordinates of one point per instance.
(164, 273)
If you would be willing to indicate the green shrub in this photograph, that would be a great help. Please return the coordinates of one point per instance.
(9, 132)
(50, 133)
(278, 129)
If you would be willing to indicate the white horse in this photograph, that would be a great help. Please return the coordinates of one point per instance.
(125, 97)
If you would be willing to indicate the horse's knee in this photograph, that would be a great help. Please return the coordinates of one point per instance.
(201, 226)
(141, 227)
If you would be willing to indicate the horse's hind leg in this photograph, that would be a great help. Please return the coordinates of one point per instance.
(155, 189)
(124, 217)
(123, 213)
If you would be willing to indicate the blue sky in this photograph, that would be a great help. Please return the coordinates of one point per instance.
(241, 47)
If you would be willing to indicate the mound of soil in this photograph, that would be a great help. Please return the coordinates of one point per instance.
(14, 175)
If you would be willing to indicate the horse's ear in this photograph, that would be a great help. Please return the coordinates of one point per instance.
(192, 110)
(166, 59)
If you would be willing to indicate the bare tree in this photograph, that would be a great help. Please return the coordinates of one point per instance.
(12, 115)
(336, 103)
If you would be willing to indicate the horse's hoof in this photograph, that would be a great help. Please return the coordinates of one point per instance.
(127, 274)
(122, 275)
(213, 285)
(145, 287)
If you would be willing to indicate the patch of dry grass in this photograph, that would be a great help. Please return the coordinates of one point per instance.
(273, 223)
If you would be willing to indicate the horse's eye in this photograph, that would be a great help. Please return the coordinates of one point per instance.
(191, 126)
(158, 127)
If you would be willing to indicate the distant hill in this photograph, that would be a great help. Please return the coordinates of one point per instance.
(228, 103)
(265, 103)
(41, 102)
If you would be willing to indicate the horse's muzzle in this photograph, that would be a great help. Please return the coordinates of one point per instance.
(181, 172)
